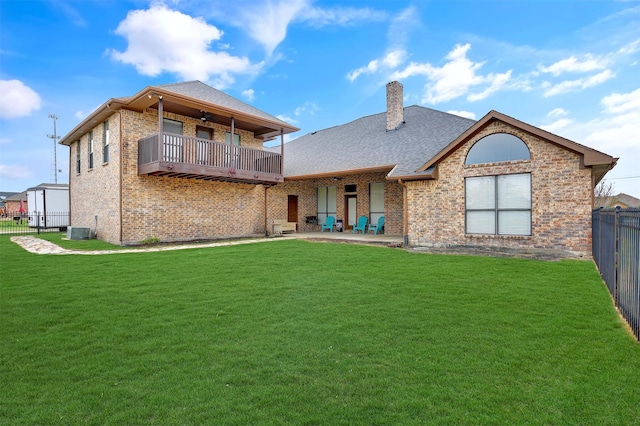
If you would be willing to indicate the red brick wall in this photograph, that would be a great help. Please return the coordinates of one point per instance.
(561, 199)
(306, 190)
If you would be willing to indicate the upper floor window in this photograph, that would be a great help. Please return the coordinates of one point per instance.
(236, 138)
(105, 142)
(78, 157)
(496, 148)
(91, 150)
(172, 126)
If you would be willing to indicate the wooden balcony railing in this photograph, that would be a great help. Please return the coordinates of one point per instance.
(185, 156)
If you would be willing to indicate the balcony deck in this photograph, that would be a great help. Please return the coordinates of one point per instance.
(188, 157)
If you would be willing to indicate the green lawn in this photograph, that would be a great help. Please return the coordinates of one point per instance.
(293, 332)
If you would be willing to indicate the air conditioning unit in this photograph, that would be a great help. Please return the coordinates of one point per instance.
(78, 233)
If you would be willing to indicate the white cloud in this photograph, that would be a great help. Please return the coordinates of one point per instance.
(455, 78)
(396, 53)
(629, 48)
(572, 64)
(401, 26)
(18, 99)
(249, 94)
(622, 102)
(80, 115)
(465, 114)
(617, 126)
(370, 68)
(4, 141)
(321, 17)
(557, 125)
(497, 82)
(73, 15)
(613, 131)
(578, 84)
(557, 112)
(267, 22)
(286, 119)
(164, 40)
(14, 172)
(308, 108)
(389, 61)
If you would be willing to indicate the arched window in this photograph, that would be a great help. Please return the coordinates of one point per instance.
(497, 147)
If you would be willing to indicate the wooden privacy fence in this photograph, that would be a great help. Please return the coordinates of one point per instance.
(616, 251)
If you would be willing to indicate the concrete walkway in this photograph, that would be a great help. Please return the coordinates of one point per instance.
(39, 246)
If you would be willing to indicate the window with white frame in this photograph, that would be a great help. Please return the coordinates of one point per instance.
(105, 142)
(498, 205)
(326, 203)
(90, 150)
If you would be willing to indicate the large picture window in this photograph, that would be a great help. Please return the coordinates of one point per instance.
(498, 205)
(326, 203)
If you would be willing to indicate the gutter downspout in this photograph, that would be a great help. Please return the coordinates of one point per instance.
(405, 219)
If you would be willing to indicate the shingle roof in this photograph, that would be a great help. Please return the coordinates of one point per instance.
(365, 144)
(199, 90)
(627, 200)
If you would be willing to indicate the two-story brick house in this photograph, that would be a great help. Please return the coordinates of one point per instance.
(174, 162)
(438, 179)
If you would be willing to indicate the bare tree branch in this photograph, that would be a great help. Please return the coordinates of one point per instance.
(603, 194)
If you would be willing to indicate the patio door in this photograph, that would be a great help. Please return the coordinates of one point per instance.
(172, 142)
(233, 153)
(203, 147)
(292, 208)
(350, 211)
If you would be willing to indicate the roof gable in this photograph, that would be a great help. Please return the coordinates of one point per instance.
(199, 90)
(590, 157)
(189, 99)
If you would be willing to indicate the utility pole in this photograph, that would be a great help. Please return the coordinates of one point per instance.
(55, 138)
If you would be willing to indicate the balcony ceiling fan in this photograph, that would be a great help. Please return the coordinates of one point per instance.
(205, 116)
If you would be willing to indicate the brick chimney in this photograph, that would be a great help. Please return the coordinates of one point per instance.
(395, 112)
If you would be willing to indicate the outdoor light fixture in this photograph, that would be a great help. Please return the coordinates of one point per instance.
(151, 95)
(204, 116)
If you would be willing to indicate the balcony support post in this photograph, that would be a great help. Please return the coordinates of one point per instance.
(160, 130)
(282, 151)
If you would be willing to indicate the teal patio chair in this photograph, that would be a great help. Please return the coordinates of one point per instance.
(361, 226)
(377, 227)
(329, 224)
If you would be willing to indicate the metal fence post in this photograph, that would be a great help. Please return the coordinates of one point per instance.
(616, 264)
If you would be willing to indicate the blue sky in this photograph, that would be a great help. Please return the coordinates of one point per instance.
(570, 67)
